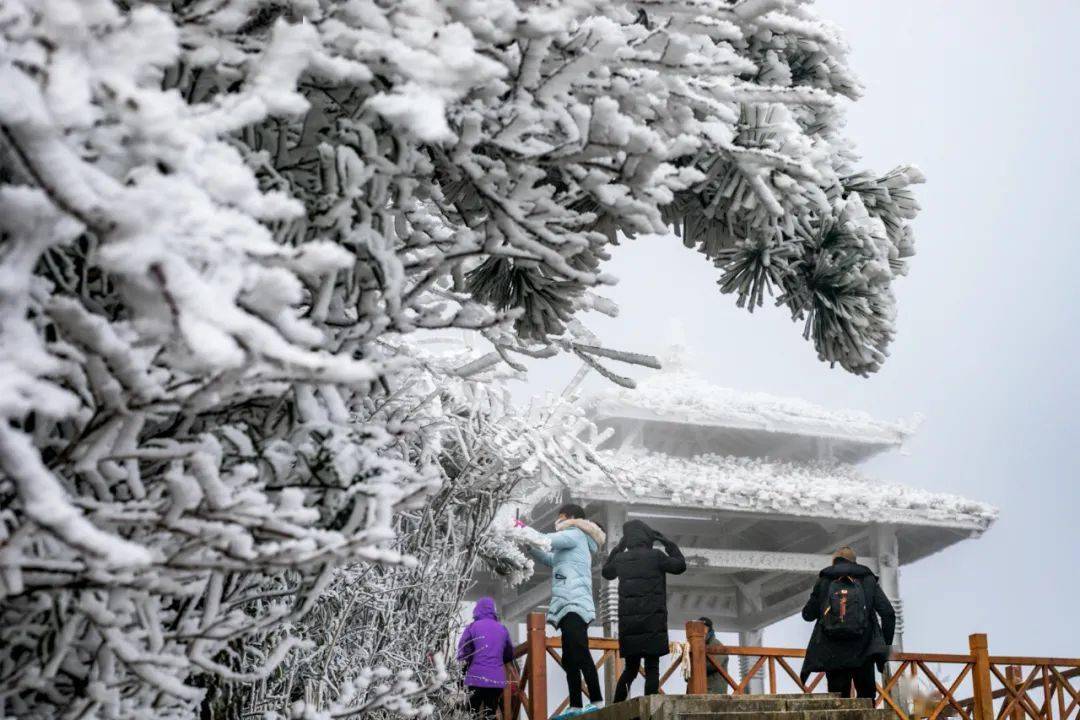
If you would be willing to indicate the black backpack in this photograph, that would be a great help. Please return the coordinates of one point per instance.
(845, 613)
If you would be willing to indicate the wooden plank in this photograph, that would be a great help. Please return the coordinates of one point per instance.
(1012, 690)
(884, 691)
(723, 673)
(667, 675)
(798, 680)
(933, 658)
(595, 643)
(750, 675)
(946, 694)
(1004, 692)
(537, 667)
(695, 635)
(1020, 696)
(1012, 681)
(1026, 661)
(1047, 694)
(739, 651)
(950, 698)
(891, 703)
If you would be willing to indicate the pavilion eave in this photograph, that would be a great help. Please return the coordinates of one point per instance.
(665, 505)
(873, 436)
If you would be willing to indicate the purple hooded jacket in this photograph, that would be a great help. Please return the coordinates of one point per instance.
(485, 648)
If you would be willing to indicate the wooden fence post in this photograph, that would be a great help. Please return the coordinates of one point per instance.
(537, 663)
(695, 636)
(1015, 677)
(983, 708)
(508, 701)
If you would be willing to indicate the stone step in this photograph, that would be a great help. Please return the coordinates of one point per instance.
(764, 703)
(830, 714)
(742, 707)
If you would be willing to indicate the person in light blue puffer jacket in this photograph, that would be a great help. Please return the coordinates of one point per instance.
(572, 608)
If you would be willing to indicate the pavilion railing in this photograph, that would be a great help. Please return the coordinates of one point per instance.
(972, 686)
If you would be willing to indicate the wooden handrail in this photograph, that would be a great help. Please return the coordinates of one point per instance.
(749, 651)
(1017, 660)
(595, 643)
(1048, 676)
(1004, 692)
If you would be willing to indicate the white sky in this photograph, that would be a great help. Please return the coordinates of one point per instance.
(983, 96)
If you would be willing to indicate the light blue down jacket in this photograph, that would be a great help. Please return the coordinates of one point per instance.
(570, 560)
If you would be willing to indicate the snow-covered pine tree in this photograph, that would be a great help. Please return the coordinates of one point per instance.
(221, 222)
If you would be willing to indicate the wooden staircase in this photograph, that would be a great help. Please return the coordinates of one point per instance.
(744, 707)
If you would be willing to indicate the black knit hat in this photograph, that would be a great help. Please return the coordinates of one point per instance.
(706, 621)
(572, 510)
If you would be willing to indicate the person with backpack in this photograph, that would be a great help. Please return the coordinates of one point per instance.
(716, 684)
(854, 626)
(571, 608)
(642, 572)
(485, 649)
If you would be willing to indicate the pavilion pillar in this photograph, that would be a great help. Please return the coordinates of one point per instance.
(614, 516)
(886, 551)
(749, 602)
(752, 638)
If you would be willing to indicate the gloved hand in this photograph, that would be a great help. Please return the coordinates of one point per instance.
(660, 538)
(518, 523)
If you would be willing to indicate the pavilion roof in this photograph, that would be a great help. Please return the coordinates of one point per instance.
(681, 396)
(759, 486)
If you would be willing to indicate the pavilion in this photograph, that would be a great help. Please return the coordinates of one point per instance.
(756, 490)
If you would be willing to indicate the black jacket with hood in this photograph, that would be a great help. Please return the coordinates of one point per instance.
(642, 573)
(824, 653)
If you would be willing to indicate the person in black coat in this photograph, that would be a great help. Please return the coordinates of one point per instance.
(844, 655)
(642, 573)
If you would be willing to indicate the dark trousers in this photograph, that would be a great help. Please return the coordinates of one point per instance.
(577, 661)
(484, 702)
(633, 665)
(840, 681)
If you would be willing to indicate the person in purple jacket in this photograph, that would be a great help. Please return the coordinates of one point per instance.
(485, 649)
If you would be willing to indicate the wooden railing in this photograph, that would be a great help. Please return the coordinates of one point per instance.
(977, 685)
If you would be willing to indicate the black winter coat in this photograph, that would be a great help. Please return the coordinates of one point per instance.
(825, 653)
(642, 573)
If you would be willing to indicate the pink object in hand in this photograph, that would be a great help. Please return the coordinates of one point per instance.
(518, 523)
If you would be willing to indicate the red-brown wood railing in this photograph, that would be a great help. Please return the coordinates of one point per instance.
(980, 687)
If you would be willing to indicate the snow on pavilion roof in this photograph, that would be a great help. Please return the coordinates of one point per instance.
(679, 395)
(750, 485)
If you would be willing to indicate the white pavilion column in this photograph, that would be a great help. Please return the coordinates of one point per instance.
(887, 553)
(749, 602)
(752, 638)
(613, 518)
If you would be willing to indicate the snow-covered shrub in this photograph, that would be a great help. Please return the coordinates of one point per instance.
(222, 221)
(412, 611)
